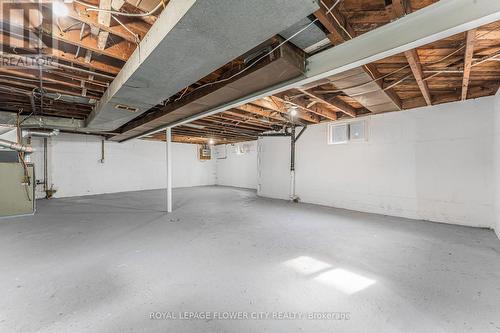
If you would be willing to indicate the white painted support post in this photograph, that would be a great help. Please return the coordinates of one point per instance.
(168, 134)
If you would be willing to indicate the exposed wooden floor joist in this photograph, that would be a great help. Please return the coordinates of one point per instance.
(463, 66)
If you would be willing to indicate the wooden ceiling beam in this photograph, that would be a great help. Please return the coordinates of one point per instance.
(57, 54)
(194, 139)
(316, 109)
(81, 61)
(416, 68)
(104, 19)
(269, 104)
(337, 34)
(122, 50)
(47, 110)
(230, 123)
(335, 104)
(201, 132)
(211, 124)
(241, 121)
(78, 12)
(252, 117)
(469, 52)
(185, 139)
(15, 102)
(48, 86)
(261, 112)
(485, 89)
(206, 138)
(343, 32)
(278, 104)
(400, 8)
(48, 78)
(212, 132)
(22, 99)
(91, 81)
(130, 7)
(180, 139)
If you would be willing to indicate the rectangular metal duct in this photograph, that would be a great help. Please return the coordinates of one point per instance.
(284, 64)
(359, 85)
(309, 38)
(191, 39)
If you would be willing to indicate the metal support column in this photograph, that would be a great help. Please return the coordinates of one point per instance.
(45, 169)
(293, 141)
(293, 196)
(168, 134)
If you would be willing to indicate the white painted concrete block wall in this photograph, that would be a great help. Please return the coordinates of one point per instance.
(431, 163)
(274, 167)
(496, 153)
(75, 168)
(9, 134)
(239, 170)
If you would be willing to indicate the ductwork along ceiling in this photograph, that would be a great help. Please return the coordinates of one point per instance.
(283, 64)
(130, 76)
(190, 40)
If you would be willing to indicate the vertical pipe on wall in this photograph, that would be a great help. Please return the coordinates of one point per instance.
(102, 152)
(168, 135)
(293, 196)
(45, 169)
(496, 162)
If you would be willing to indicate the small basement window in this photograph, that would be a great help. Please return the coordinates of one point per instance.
(338, 134)
(355, 131)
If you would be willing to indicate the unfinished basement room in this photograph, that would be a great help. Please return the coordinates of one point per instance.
(250, 166)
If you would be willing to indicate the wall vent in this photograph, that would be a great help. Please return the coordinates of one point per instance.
(126, 108)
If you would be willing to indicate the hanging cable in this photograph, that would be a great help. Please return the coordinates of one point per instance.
(347, 33)
(262, 57)
(27, 178)
(136, 37)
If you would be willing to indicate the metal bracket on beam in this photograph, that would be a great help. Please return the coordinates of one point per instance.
(302, 130)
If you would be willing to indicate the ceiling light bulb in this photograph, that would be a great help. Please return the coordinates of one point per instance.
(211, 141)
(293, 111)
(59, 9)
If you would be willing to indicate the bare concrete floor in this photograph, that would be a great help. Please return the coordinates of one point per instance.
(104, 263)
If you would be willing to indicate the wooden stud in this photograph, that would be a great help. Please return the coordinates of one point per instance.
(279, 105)
(339, 34)
(416, 68)
(335, 105)
(469, 52)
